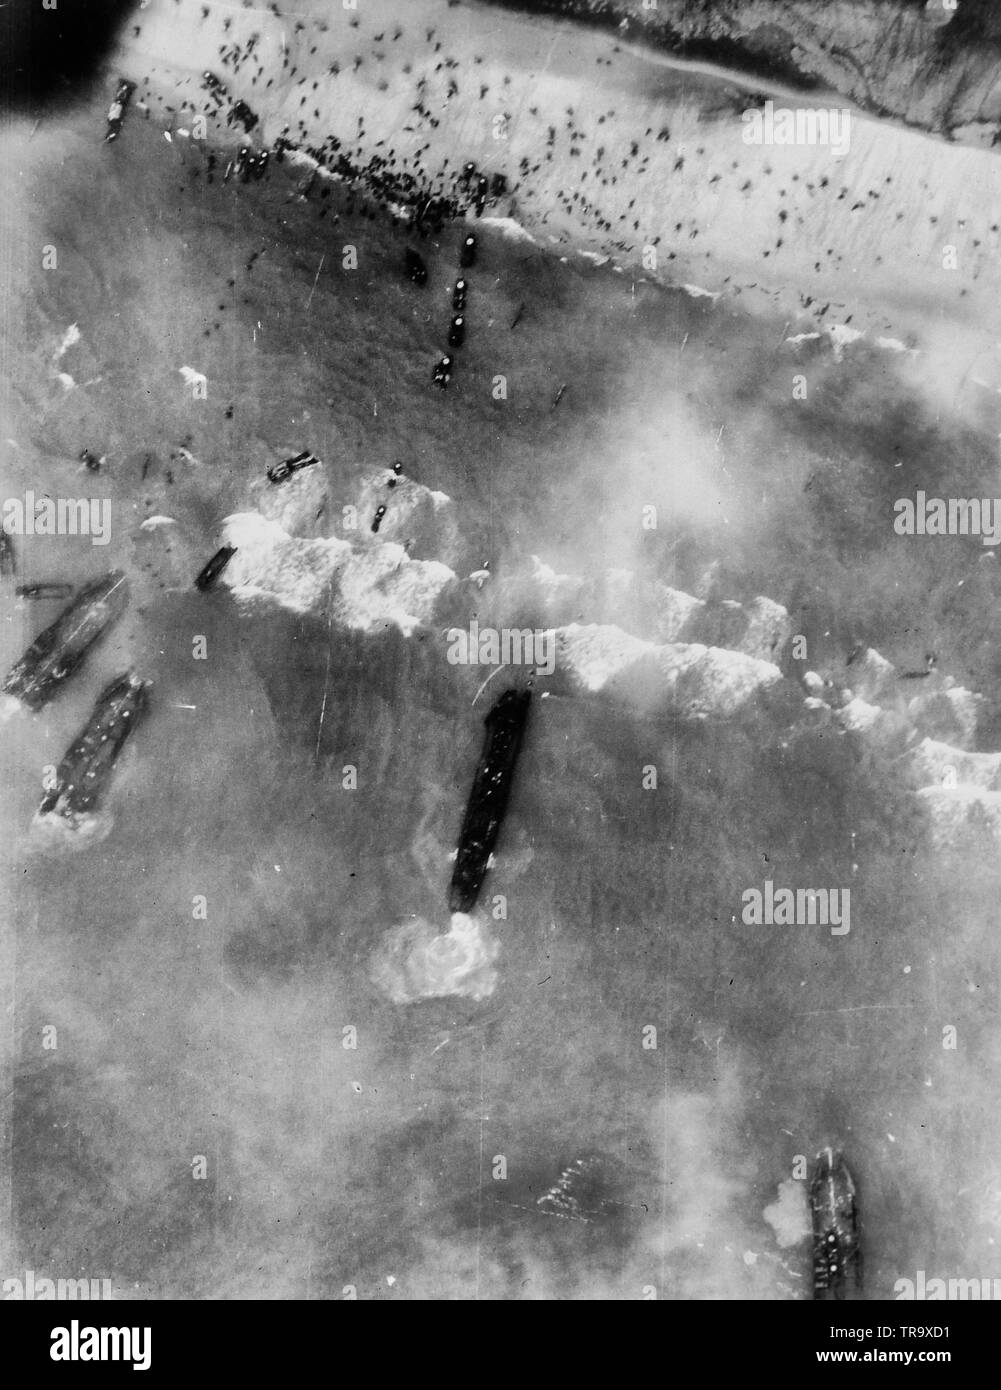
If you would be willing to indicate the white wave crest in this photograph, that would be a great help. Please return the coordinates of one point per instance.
(367, 588)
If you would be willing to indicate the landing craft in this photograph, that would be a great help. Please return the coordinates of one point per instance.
(242, 166)
(279, 472)
(931, 661)
(415, 267)
(459, 296)
(443, 372)
(505, 725)
(60, 649)
(208, 576)
(467, 255)
(85, 771)
(44, 591)
(116, 111)
(457, 331)
(241, 112)
(837, 1252)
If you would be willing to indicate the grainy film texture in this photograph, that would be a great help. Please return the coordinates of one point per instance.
(500, 507)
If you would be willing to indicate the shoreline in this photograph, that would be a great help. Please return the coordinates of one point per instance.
(723, 195)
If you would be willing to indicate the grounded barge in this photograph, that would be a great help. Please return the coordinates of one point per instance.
(60, 649)
(481, 824)
(837, 1251)
(86, 769)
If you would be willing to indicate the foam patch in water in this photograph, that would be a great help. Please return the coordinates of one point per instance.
(57, 834)
(417, 962)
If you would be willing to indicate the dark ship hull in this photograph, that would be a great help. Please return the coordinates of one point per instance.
(280, 472)
(208, 576)
(85, 771)
(837, 1251)
(60, 650)
(488, 799)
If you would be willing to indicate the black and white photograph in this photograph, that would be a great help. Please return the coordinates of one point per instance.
(500, 688)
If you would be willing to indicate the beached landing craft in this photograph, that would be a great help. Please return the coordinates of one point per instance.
(488, 799)
(59, 650)
(86, 769)
(837, 1251)
(278, 472)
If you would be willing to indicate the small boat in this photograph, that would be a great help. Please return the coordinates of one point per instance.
(49, 590)
(415, 267)
(279, 472)
(208, 576)
(116, 112)
(443, 372)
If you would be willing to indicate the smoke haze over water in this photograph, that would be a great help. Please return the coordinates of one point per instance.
(181, 1039)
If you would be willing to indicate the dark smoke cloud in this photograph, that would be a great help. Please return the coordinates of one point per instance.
(46, 55)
